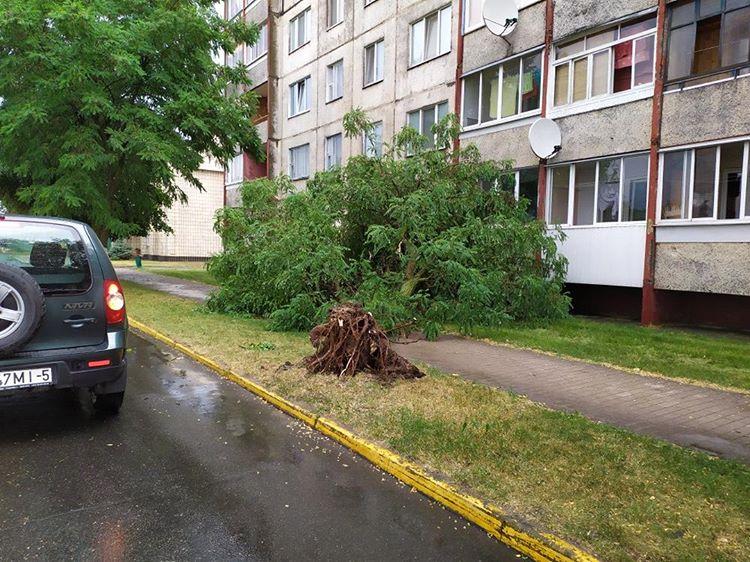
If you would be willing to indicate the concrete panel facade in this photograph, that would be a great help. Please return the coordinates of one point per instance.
(508, 144)
(717, 267)
(576, 16)
(706, 113)
(613, 130)
(192, 223)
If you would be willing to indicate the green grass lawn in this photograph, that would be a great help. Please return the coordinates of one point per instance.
(618, 495)
(698, 355)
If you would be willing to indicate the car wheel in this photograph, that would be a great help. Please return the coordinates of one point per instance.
(22, 307)
(108, 404)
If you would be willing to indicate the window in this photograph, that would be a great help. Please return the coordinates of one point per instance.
(505, 90)
(608, 190)
(335, 12)
(528, 189)
(424, 119)
(299, 162)
(235, 169)
(708, 182)
(333, 151)
(431, 36)
(54, 255)
(372, 144)
(260, 47)
(473, 17)
(235, 58)
(299, 97)
(234, 7)
(706, 36)
(299, 30)
(374, 54)
(335, 81)
(615, 60)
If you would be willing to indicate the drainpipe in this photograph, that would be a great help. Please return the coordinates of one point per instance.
(459, 69)
(549, 24)
(649, 308)
(274, 13)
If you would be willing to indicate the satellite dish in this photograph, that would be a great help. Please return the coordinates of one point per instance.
(545, 138)
(500, 16)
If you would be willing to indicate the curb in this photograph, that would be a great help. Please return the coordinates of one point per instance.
(541, 547)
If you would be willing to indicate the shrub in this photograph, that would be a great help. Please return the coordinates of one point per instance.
(422, 238)
(120, 250)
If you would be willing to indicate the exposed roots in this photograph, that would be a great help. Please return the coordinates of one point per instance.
(351, 341)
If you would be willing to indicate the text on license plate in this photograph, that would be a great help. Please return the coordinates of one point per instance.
(28, 377)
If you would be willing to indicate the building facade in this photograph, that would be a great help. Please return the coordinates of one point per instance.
(193, 237)
(652, 97)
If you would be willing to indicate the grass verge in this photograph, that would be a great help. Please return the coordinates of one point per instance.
(698, 355)
(616, 494)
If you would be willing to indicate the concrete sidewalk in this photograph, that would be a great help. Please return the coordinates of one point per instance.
(172, 285)
(711, 420)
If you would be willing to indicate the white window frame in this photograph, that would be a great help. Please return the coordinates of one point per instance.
(421, 111)
(591, 102)
(465, 25)
(233, 13)
(338, 15)
(253, 53)
(378, 71)
(517, 116)
(373, 150)
(687, 200)
(294, 97)
(304, 18)
(571, 193)
(329, 157)
(235, 170)
(293, 173)
(334, 89)
(442, 12)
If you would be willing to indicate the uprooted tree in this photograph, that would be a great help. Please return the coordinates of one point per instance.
(422, 237)
(351, 342)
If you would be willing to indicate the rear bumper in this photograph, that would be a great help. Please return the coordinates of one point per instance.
(70, 367)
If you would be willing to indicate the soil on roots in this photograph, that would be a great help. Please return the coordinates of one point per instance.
(351, 341)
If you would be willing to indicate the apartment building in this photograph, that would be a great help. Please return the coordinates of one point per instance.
(193, 237)
(652, 97)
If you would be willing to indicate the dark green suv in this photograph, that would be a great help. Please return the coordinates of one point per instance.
(62, 311)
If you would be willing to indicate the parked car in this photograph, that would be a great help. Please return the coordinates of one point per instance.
(62, 311)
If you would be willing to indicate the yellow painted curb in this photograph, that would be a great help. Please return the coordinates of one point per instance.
(542, 547)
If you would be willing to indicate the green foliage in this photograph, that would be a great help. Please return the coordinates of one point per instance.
(104, 102)
(422, 241)
(120, 250)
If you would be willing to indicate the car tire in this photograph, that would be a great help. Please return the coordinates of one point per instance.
(108, 404)
(20, 293)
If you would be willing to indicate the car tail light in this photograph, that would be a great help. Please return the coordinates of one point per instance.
(114, 302)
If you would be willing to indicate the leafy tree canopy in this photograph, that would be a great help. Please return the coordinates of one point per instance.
(421, 237)
(104, 102)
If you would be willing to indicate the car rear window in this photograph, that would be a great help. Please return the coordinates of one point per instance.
(53, 254)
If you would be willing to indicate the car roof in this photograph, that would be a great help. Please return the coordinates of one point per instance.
(48, 220)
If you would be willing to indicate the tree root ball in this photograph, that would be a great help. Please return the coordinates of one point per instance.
(351, 341)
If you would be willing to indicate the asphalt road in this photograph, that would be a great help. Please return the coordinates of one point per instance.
(196, 468)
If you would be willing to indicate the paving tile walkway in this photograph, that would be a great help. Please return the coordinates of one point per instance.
(711, 420)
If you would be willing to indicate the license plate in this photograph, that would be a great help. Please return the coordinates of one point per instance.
(26, 378)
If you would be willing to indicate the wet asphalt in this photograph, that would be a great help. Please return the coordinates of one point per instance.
(196, 468)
